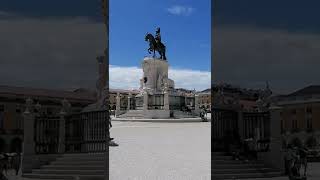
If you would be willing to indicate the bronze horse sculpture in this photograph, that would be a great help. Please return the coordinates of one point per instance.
(154, 46)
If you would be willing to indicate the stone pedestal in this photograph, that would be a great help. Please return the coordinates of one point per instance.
(275, 157)
(28, 142)
(156, 73)
(196, 104)
(62, 132)
(145, 100)
(185, 101)
(129, 102)
(166, 101)
(118, 104)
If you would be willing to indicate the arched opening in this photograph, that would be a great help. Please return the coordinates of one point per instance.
(16, 145)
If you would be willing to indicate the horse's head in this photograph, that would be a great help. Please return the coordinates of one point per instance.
(148, 37)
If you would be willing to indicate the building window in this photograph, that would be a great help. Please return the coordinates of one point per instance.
(309, 123)
(294, 124)
(309, 110)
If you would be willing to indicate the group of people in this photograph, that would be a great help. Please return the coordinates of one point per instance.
(295, 158)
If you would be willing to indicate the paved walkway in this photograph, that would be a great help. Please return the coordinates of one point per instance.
(178, 120)
(160, 151)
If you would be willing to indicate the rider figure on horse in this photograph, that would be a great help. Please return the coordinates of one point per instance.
(158, 36)
(155, 44)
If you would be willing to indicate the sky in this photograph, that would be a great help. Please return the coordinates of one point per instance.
(266, 40)
(185, 30)
(54, 44)
(50, 44)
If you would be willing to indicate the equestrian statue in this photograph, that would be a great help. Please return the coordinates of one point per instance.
(155, 44)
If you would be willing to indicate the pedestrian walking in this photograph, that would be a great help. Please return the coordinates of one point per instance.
(111, 142)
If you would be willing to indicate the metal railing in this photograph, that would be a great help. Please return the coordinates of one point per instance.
(87, 132)
(83, 132)
(46, 134)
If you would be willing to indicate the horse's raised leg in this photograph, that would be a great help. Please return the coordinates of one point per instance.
(164, 55)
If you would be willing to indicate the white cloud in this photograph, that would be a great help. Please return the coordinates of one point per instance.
(180, 10)
(129, 77)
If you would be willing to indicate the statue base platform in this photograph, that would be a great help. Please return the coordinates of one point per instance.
(164, 120)
(157, 114)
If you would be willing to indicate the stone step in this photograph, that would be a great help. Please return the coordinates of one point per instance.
(89, 158)
(70, 167)
(245, 175)
(84, 155)
(131, 116)
(78, 163)
(236, 166)
(222, 157)
(133, 113)
(68, 172)
(223, 161)
(48, 176)
(63, 177)
(218, 153)
(243, 170)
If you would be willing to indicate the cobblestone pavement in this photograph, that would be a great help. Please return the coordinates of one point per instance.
(160, 151)
(313, 173)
